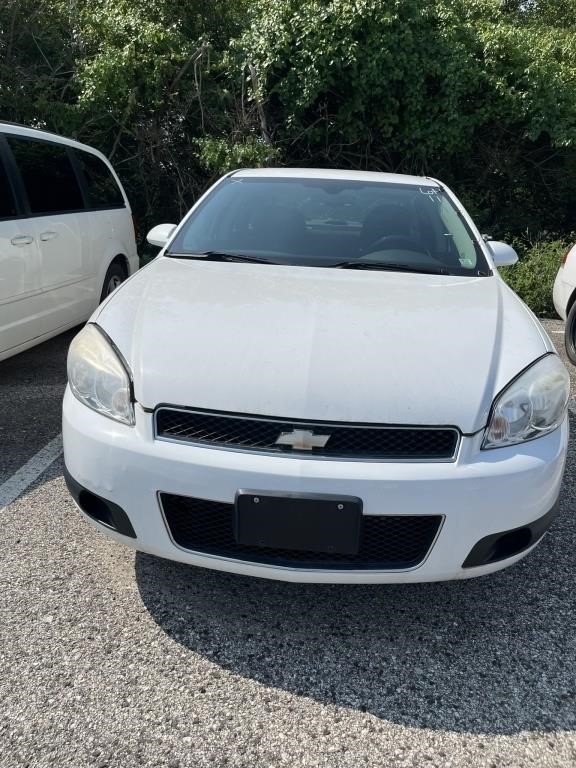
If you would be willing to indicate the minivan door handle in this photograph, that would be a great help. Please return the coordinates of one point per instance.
(48, 235)
(22, 240)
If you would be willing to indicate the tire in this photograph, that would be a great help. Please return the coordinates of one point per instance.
(570, 334)
(115, 275)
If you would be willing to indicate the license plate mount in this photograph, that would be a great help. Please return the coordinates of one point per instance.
(296, 521)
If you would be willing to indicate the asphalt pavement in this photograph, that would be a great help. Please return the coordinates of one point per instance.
(31, 389)
(113, 659)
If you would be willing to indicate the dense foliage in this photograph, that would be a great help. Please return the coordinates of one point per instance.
(481, 93)
(468, 90)
(139, 79)
(533, 277)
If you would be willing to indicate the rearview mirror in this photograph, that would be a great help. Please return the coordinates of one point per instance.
(160, 234)
(502, 253)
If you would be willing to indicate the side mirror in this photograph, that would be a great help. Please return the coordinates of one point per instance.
(160, 234)
(504, 255)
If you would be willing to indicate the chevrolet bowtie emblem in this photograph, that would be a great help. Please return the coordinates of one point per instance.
(302, 440)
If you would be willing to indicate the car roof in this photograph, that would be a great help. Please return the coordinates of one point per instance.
(18, 129)
(332, 173)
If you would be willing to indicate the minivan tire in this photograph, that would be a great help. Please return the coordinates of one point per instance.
(115, 275)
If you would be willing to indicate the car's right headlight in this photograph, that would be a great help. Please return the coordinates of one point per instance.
(531, 406)
(98, 376)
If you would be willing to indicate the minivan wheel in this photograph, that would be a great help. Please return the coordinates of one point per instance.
(114, 276)
(570, 334)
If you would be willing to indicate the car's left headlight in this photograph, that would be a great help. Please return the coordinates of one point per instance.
(99, 377)
(531, 406)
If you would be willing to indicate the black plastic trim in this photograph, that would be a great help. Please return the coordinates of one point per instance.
(313, 424)
(212, 535)
(119, 520)
(486, 550)
(6, 167)
(14, 179)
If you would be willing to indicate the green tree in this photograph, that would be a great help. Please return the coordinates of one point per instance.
(36, 63)
(461, 89)
(150, 88)
(142, 80)
(481, 93)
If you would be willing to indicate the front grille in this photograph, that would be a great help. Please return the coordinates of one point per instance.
(388, 542)
(344, 440)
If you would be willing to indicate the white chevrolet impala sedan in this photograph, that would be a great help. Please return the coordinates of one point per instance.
(321, 377)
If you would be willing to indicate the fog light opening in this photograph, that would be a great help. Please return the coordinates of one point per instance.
(511, 544)
(96, 508)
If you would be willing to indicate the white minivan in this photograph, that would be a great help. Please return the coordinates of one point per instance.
(66, 235)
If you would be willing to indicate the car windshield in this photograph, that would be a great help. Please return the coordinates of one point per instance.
(332, 223)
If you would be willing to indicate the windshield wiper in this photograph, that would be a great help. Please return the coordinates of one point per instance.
(220, 256)
(387, 266)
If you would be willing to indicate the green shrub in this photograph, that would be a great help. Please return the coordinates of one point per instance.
(220, 155)
(533, 277)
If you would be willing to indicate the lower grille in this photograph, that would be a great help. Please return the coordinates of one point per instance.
(388, 541)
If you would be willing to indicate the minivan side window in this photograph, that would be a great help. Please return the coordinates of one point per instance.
(7, 203)
(103, 191)
(48, 176)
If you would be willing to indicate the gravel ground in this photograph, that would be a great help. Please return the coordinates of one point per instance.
(112, 659)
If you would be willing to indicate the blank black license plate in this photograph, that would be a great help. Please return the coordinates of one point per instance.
(306, 522)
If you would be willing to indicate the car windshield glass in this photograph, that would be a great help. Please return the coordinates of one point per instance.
(327, 222)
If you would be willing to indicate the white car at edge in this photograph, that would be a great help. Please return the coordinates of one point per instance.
(321, 378)
(564, 296)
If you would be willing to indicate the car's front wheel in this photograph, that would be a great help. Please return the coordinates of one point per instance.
(570, 334)
(115, 275)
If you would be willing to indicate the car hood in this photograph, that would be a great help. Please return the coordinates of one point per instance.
(321, 344)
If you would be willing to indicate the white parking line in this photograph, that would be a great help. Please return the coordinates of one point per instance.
(27, 473)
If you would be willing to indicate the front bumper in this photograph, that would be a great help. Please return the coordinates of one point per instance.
(482, 493)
